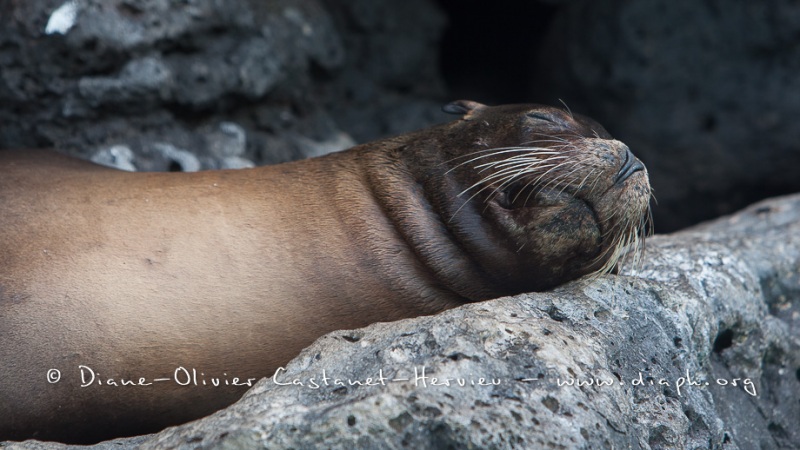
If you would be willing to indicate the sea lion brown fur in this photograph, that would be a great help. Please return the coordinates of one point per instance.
(108, 277)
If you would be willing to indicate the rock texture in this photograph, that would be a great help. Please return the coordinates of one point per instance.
(709, 106)
(703, 92)
(164, 85)
(700, 348)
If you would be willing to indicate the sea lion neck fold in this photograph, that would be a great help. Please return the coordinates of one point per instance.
(417, 199)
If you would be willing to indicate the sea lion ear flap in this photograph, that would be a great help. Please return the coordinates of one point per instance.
(462, 107)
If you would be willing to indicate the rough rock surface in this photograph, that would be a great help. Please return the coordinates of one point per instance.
(165, 85)
(703, 91)
(709, 105)
(700, 349)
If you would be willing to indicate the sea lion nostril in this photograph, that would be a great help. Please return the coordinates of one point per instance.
(630, 165)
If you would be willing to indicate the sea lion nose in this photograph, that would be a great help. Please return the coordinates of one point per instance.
(630, 165)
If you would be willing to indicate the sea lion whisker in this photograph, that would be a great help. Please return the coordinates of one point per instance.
(570, 182)
(564, 143)
(586, 178)
(618, 244)
(525, 171)
(645, 228)
(564, 186)
(532, 162)
(483, 181)
(621, 247)
(499, 150)
(560, 144)
(465, 203)
(560, 181)
(489, 152)
(569, 170)
(562, 136)
(506, 176)
(525, 157)
(512, 173)
(640, 232)
(635, 255)
(593, 189)
(551, 137)
(505, 179)
(524, 188)
(527, 151)
(535, 141)
(569, 111)
(613, 228)
(536, 183)
(629, 242)
(533, 184)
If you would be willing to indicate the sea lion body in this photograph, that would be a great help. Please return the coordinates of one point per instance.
(117, 280)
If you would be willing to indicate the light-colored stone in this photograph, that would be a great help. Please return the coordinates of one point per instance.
(710, 305)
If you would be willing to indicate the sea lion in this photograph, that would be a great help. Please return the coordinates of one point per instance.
(133, 301)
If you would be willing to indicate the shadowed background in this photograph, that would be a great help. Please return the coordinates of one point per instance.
(706, 94)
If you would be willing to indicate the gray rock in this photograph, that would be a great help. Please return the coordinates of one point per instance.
(142, 83)
(391, 81)
(82, 75)
(228, 139)
(186, 161)
(314, 148)
(235, 162)
(63, 18)
(119, 157)
(697, 348)
(704, 93)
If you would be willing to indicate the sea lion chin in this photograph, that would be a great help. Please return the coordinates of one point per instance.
(188, 286)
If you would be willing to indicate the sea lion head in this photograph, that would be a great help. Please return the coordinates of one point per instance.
(536, 196)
